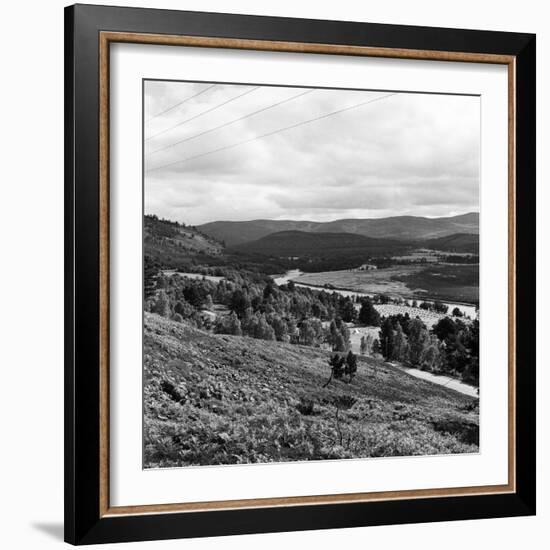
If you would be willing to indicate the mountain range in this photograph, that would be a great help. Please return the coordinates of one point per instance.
(408, 228)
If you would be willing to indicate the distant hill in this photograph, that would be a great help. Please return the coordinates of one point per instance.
(173, 244)
(459, 242)
(329, 245)
(398, 227)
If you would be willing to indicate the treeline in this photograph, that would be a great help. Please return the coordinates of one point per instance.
(255, 307)
(450, 347)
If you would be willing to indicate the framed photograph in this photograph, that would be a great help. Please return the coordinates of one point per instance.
(300, 274)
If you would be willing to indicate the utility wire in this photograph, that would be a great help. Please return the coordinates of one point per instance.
(231, 122)
(203, 113)
(154, 169)
(181, 102)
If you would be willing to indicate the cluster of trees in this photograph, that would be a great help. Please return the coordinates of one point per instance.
(258, 308)
(451, 347)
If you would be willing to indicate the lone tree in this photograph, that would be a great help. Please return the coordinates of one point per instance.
(336, 364)
(341, 365)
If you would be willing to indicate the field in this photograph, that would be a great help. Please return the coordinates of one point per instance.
(219, 399)
(442, 281)
(446, 282)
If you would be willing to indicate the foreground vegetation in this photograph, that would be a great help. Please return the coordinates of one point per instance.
(225, 399)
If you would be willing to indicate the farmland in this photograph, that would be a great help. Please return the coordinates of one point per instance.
(440, 281)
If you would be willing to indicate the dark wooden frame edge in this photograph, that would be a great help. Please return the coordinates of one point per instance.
(83, 521)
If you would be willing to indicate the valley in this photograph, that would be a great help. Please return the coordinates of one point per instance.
(307, 345)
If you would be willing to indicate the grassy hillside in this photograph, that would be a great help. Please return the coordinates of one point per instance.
(219, 399)
(327, 245)
(398, 227)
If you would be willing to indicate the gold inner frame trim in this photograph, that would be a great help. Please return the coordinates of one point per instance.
(105, 39)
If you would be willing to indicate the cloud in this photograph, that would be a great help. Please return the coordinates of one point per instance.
(404, 154)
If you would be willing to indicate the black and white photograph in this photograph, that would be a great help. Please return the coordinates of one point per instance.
(310, 273)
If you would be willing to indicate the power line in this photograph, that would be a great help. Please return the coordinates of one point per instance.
(202, 113)
(181, 102)
(271, 133)
(231, 122)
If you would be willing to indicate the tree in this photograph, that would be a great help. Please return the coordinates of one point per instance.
(269, 290)
(240, 302)
(444, 328)
(229, 324)
(400, 347)
(150, 275)
(280, 328)
(162, 304)
(348, 311)
(367, 344)
(439, 307)
(386, 338)
(307, 333)
(351, 365)
(208, 303)
(336, 364)
(339, 343)
(195, 295)
(433, 357)
(418, 339)
(363, 345)
(368, 315)
(184, 309)
(456, 312)
(263, 330)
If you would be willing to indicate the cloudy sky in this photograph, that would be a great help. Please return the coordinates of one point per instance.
(235, 152)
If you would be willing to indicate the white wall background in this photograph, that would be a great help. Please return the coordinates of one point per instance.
(31, 233)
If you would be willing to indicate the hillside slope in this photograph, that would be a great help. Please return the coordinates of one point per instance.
(218, 399)
(173, 244)
(398, 227)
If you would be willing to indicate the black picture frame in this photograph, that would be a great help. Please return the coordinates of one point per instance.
(84, 523)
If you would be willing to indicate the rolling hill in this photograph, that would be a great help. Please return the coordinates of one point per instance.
(398, 227)
(328, 245)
